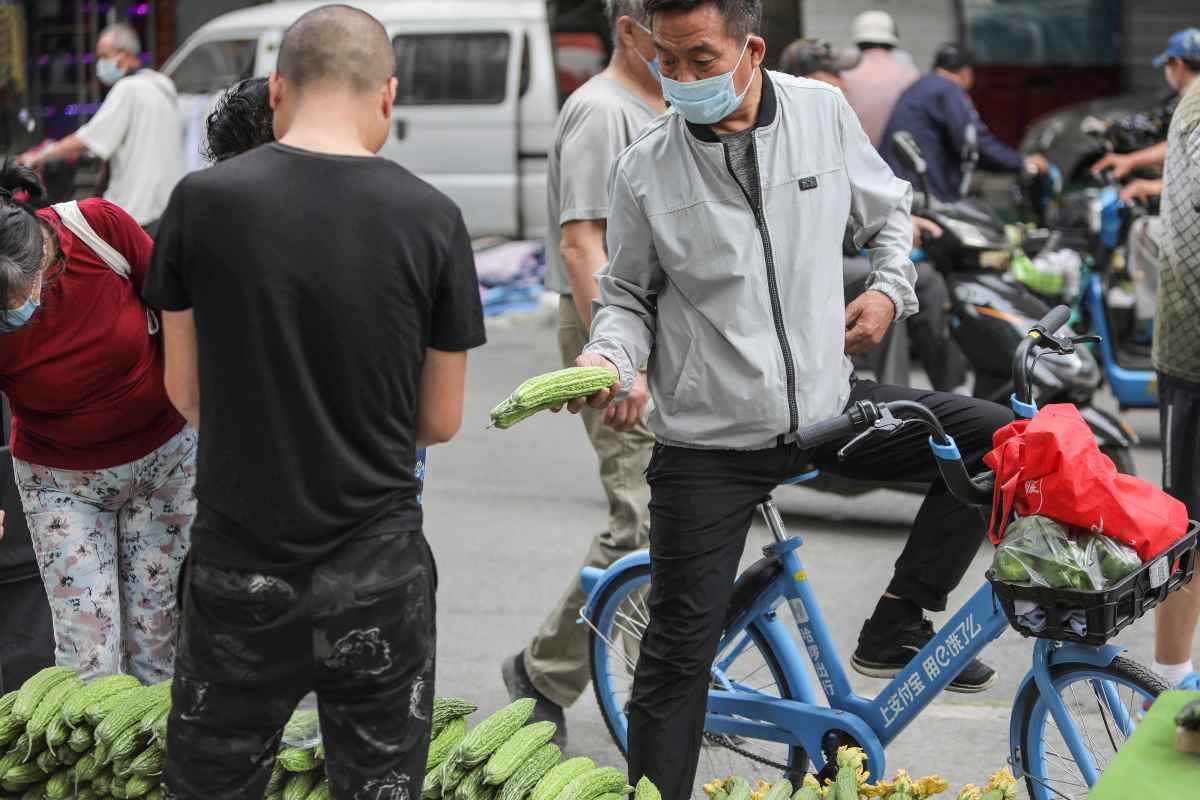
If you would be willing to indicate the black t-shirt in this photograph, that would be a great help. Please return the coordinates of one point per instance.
(317, 283)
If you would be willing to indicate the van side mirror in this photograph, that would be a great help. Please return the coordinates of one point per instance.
(909, 152)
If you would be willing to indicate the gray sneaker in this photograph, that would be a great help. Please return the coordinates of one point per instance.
(517, 681)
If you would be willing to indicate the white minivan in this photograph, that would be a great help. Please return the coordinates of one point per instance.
(475, 108)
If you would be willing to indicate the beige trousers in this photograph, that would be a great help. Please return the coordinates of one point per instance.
(557, 658)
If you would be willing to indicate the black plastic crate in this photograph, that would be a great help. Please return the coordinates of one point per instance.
(1107, 611)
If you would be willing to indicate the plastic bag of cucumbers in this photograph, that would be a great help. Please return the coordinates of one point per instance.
(1037, 551)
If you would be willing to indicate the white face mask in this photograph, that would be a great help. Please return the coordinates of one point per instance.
(709, 100)
(107, 71)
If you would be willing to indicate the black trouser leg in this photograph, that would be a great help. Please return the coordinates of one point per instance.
(357, 627)
(946, 533)
(944, 362)
(26, 629)
(1179, 423)
(373, 637)
(244, 662)
(701, 506)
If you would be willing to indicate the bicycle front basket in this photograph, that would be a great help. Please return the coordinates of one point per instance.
(1102, 614)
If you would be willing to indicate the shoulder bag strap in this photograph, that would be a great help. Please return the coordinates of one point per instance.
(72, 217)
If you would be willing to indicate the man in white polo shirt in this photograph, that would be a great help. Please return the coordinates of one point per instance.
(137, 130)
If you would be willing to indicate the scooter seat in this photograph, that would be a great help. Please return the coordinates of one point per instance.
(1135, 357)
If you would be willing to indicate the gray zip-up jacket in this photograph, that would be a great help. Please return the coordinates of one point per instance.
(739, 309)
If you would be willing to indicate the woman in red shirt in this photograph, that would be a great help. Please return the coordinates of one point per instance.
(104, 464)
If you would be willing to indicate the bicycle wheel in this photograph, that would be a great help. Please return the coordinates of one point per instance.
(619, 622)
(1051, 770)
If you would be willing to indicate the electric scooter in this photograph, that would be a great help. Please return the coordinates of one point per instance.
(1095, 222)
(989, 307)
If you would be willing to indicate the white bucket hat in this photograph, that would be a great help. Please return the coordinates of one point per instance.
(874, 27)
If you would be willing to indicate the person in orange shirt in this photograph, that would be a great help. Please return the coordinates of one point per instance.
(873, 87)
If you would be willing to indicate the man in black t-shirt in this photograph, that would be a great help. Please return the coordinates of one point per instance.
(320, 301)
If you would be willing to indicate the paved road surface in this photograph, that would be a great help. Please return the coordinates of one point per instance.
(509, 514)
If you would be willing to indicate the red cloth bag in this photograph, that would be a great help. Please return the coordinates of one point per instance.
(1050, 465)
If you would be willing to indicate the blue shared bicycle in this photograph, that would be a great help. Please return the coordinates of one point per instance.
(1078, 703)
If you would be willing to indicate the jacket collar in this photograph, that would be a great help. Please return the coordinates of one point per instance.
(767, 107)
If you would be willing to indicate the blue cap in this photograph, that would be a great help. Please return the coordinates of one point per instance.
(1185, 44)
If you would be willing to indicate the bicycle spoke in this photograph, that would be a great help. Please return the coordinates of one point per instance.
(738, 648)
(1066, 760)
(746, 678)
(1087, 732)
(625, 630)
(639, 605)
(1099, 690)
(633, 623)
(1046, 785)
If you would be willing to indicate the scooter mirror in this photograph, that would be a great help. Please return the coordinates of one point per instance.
(909, 152)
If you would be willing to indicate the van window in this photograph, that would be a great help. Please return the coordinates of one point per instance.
(215, 66)
(451, 68)
(1034, 33)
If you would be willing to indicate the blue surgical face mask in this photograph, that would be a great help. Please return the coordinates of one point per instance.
(107, 71)
(650, 65)
(707, 101)
(16, 318)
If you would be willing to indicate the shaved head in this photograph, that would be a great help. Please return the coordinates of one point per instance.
(337, 45)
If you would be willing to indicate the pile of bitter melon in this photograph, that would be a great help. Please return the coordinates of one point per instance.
(503, 758)
(65, 738)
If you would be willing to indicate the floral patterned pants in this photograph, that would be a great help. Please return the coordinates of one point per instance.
(109, 544)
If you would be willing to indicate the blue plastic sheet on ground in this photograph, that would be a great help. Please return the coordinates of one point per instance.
(510, 275)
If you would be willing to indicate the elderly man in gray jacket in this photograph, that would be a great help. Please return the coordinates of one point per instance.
(725, 238)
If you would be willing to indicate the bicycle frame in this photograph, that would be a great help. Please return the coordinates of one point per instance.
(874, 721)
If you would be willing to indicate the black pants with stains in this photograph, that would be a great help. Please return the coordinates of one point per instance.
(356, 628)
(701, 505)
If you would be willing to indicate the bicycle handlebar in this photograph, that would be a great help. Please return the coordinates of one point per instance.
(861, 416)
(864, 415)
(1043, 331)
(1054, 319)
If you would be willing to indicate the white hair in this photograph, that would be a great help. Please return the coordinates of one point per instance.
(124, 38)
